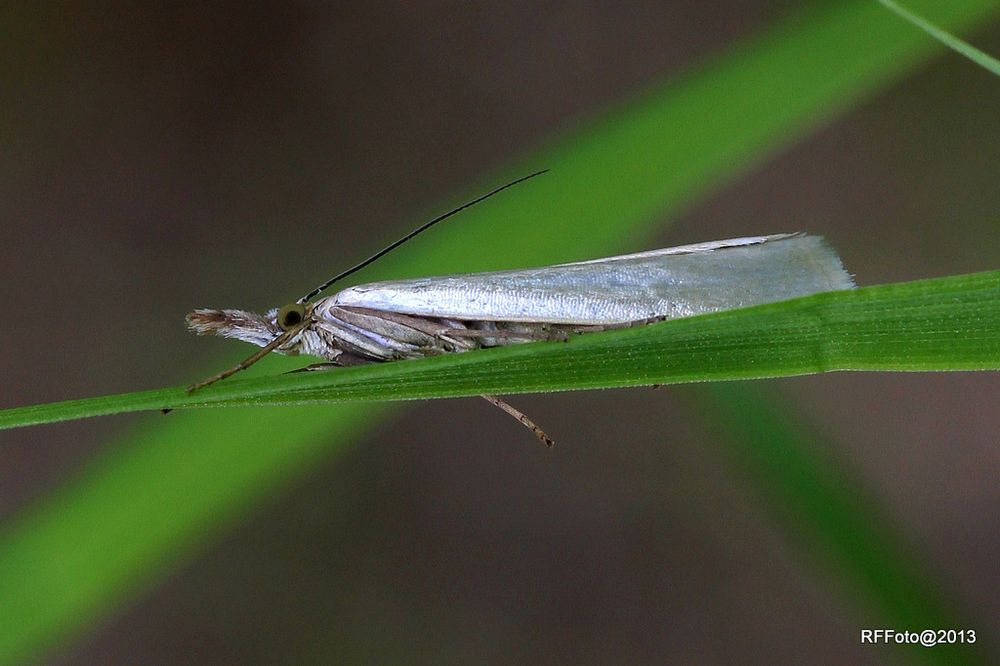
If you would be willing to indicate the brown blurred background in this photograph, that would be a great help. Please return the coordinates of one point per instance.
(165, 156)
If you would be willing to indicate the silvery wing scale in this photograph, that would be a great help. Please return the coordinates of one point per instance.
(673, 282)
(386, 321)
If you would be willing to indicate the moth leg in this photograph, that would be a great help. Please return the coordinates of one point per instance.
(314, 367)
(559, 335)
(640, 322)
(419, 324)
(521, 418)
(436, 331)
(343, 360)
(504, 334)
(625, 324)
(562, 332)
(455, 335)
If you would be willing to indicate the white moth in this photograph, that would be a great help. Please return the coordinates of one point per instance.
(406, 319)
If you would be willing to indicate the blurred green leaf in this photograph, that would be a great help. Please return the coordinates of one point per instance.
(851, 541)
(148, 501)
(939, 324)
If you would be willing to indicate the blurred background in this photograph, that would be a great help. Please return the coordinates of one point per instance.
(166, 156)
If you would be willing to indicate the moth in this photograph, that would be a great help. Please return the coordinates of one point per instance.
(396, 320)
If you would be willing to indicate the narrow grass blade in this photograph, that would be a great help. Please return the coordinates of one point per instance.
(951, 41)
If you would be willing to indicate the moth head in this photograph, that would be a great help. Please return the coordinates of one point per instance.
(250, 327)
(286, 331)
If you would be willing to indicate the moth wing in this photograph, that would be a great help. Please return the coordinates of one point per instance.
(672, 282)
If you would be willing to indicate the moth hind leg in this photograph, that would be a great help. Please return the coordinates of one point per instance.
(521, 418)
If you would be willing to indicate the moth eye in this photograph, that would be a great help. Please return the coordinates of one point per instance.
(291, 316)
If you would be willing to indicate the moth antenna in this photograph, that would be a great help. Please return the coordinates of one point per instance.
(419, 230)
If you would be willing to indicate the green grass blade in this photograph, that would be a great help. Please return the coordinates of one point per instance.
(951, 41)
(175, 481)
(938, 324)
